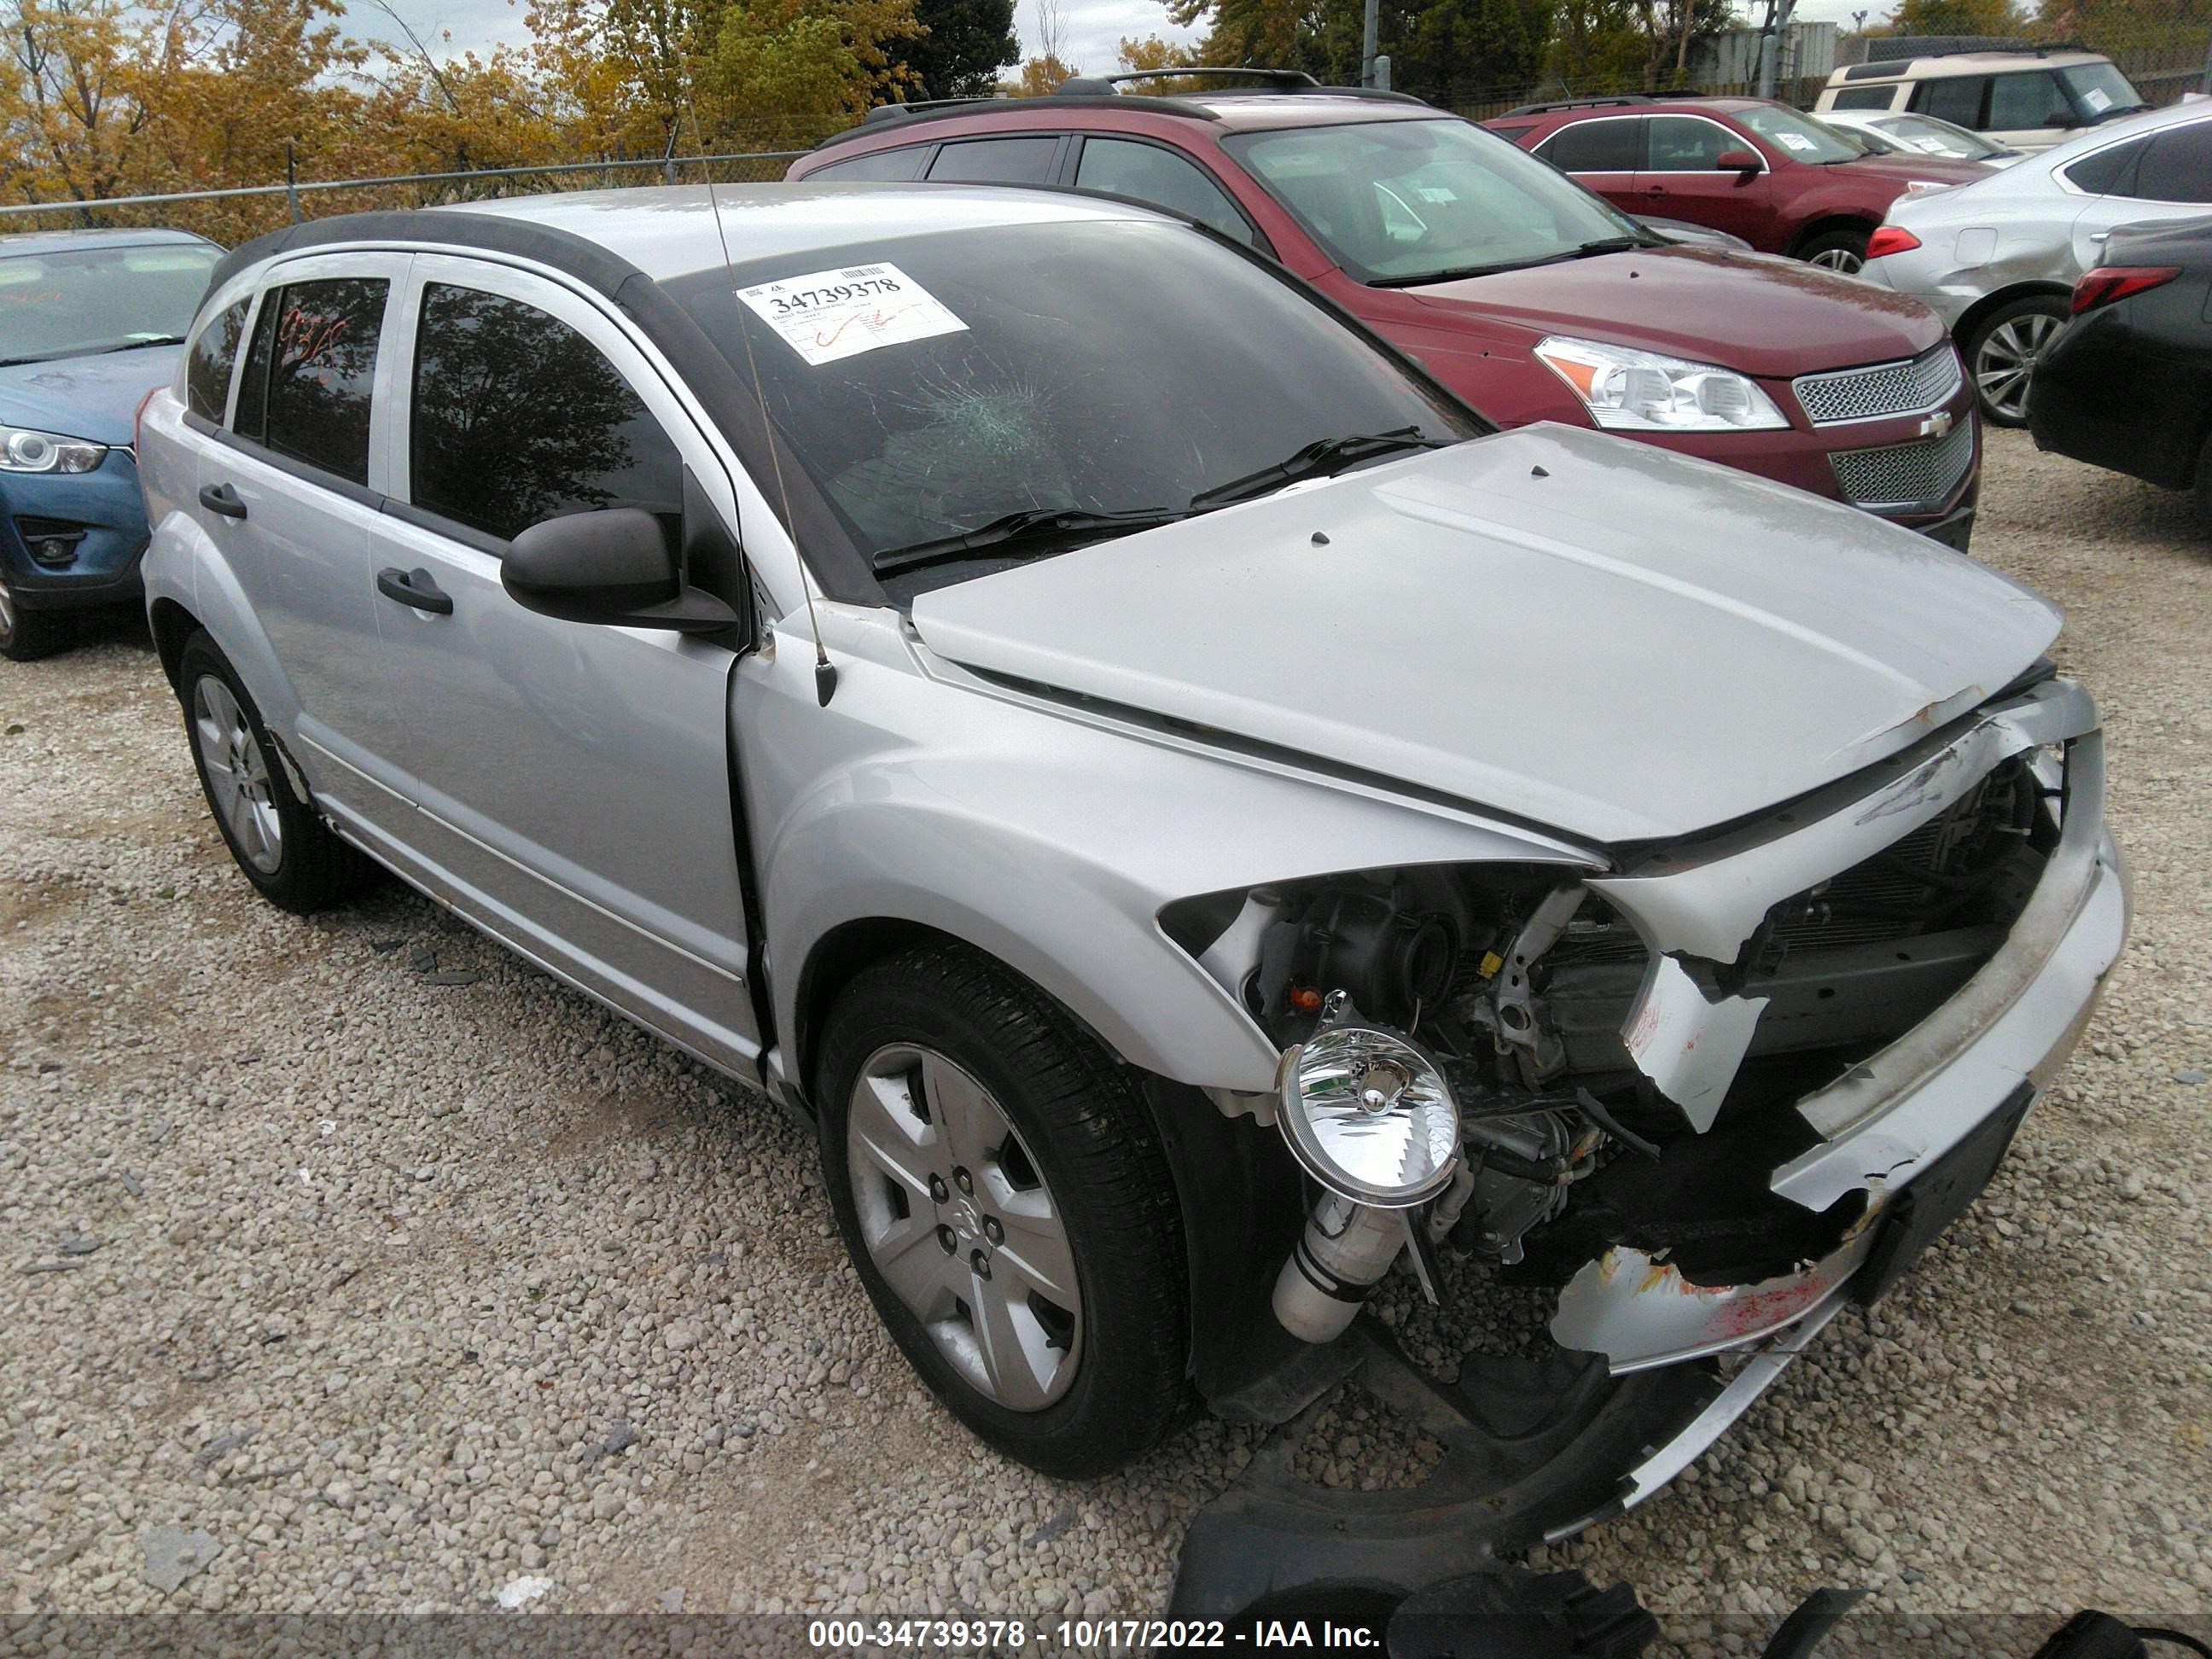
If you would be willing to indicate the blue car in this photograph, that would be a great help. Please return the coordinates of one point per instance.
(90, 322)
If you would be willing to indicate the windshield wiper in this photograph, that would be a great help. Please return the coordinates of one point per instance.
(1316, 460)
(90, 351)
(1024, 530)
(133, 345)
(1458, 273)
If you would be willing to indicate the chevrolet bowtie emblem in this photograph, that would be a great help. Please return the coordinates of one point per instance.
(1937, 425)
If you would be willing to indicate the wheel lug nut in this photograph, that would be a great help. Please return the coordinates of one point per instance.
(963, 1180)
(993, 1230)
(949, 1239)
(981, 1263)
(937, 1189)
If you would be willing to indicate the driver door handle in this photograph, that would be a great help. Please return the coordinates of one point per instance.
(221, 498)
(414, 588)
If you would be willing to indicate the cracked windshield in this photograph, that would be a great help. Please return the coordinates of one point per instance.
(944, 393)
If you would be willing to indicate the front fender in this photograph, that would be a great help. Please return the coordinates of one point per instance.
(1047, 837)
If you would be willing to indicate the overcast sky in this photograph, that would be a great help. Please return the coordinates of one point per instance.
(1093, 29)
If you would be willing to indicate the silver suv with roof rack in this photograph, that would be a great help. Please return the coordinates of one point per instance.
(1188, 814)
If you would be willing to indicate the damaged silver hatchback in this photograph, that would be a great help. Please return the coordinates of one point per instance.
(1193, 817)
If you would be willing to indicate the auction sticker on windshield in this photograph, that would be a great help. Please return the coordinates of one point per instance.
(829, 314)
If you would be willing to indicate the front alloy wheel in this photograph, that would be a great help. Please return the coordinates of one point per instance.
(962, 1228)
(1002, 1190)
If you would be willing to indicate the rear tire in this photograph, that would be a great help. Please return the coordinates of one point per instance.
(2001, 352)
(285, 850)
(2204, 488)
(1843, 251)
(27, 635)
(983, 1151)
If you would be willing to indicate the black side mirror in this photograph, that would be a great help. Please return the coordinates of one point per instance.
(616, 566)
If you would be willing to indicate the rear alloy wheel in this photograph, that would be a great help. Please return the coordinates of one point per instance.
(285, 850)
(1843, 251)
(1006, 1200)
(27, 635)
(2002, 352)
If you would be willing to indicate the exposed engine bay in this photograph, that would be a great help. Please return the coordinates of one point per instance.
(1615, 1103)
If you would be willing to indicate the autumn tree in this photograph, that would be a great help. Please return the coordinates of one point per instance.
(1999, 17)
(1038, 77)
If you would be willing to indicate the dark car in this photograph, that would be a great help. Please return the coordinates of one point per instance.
(1784, 182)
(2128, 383)
(1531, 298)
(90, 322)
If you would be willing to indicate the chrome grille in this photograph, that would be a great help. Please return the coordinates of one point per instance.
(1926, 382)
(1902, 477)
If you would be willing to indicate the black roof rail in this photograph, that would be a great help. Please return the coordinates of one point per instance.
(1894, 52)
(1588, 103)
(1272, 82)
(1285, 78)
(938, 109)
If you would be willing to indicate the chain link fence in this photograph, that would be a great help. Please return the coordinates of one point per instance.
(233, 215)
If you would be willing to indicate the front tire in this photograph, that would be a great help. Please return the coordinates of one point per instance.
(2002, 351)
(1840, 250)
(1008, 1206)
(27, 635)
(285, 850)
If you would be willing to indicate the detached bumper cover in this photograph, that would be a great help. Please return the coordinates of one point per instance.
(1891, 1119)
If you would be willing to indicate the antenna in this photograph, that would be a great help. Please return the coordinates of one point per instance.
(825, 671)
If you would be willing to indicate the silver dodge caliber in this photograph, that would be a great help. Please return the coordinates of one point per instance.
(1194, 817)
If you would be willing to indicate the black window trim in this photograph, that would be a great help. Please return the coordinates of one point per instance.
(273, 281)
(1071, 163)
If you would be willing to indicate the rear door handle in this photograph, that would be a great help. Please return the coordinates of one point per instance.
(414, 588)
(221, 498)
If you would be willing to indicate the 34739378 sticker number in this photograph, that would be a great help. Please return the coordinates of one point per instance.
(825, 315)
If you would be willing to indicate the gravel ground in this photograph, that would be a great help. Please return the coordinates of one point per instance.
(407, 1277)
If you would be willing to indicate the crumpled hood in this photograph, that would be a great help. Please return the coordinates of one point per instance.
(1765, 316)
(95, 397)
(1601, 636)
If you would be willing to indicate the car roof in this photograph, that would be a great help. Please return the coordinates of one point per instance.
(1249, 112)
(670, 231)
(1961, 63)
(59, 241)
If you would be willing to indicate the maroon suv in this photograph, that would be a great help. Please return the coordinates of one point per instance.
(1755, 169)
(1527, 296)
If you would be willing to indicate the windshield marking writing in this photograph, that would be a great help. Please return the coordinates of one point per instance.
(826, 315)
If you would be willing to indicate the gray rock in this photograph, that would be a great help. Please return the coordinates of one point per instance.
(621, 1438)
(173, 1555)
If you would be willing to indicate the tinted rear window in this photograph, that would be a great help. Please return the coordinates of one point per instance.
(2108, 170)
(1953, 98)
(886, 166)
(1593, 146)
(2178, 166)
(310, 371)
(996, 162)
(214, 354)
(1862, 98)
